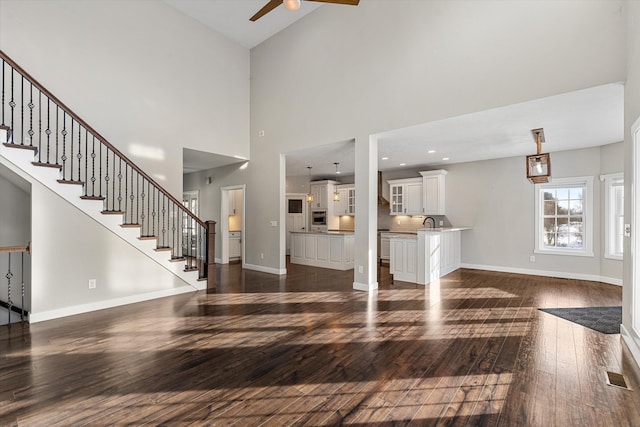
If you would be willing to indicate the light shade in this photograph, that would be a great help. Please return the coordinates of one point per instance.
(309, 198)
(336, 196)
(539, 168)
(291, 4)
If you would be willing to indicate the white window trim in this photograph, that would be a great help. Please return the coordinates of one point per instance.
(587, 182)
(609, 222)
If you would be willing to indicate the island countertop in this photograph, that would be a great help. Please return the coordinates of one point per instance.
(325, 233)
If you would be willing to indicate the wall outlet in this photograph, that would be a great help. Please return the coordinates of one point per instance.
(398, 222)
(261, 133)
(532, 258)
(92, 283)
(440, 223)
(274, 223)
(360, 269)
(261, 255)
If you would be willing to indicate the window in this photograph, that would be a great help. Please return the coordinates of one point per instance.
(564, 219)
(613, 215)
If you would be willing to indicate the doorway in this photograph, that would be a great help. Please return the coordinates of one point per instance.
(232, 224)
(296, 219)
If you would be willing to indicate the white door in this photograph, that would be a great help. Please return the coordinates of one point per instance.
(296, 216)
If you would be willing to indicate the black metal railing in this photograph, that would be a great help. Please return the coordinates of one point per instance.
(12, 292)
(39, 121)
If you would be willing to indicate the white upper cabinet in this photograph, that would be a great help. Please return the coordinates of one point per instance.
(347, 203)
(406, 196)
(433, 192)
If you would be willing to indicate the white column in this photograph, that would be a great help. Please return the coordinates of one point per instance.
(366, 227)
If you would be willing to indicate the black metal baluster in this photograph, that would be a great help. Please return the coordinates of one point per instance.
(79, 155)
(12, 104)
(119, 183)
(113, 183)
(163, 224)
(131, 197)
(40, 127)
(64, 141)
(86, 160)
(22, 290)
(142, 218)
(9, 275)
(93, 167)
(153, 214)
(31, 105)
(106, 184)
(126, 189)
(48, 131)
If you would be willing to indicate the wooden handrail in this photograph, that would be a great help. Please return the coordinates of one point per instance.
(97, 135)
(16, 249)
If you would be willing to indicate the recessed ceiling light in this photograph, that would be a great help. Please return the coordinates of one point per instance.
(445, 158)
(403, 164)
(384, 158)
(431, 151)
(338, 172)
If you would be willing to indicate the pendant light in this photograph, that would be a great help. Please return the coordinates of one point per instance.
(291, 4)
(336, 193)
(309, 195)
(539, 164)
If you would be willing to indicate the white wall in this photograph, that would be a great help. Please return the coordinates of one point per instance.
(611, 161)
(70, 248)
(142, 74)
(341, 73)
(495, 198)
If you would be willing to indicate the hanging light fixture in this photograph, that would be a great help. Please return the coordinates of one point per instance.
(539, 165)
(291, 4)
(309, 195)
(336, 193)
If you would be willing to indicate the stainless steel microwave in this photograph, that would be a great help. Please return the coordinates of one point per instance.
(319, 217)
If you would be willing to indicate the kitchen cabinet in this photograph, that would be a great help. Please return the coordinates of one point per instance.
(347, 203)
(385, 247)
(406, 196)
(335, 250)
(235, 245)
(403, 253)
(438, 254)
(322, 194)
(433, 186)
(235, 202)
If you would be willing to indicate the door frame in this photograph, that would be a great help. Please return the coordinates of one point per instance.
(305, 212)
(224, 223)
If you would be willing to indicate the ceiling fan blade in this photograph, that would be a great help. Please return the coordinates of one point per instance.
(349, 2)
(266, 9)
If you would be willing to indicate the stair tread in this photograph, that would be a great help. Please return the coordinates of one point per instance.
(22, 146)
(162, 248)
(47, 165)
(130, 225)
(148, 238)
(177, 259)
(92, 197)
(106, 212)
(69, 181)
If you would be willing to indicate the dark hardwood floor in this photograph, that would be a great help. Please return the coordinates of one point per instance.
(306, 349)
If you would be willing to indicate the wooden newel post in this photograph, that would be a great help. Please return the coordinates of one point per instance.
(211, 254)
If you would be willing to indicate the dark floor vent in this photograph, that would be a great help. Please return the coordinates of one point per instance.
(617, 380)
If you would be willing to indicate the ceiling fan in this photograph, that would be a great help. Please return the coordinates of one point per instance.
(294, 5)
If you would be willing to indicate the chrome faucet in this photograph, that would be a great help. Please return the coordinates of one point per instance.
(429, 218)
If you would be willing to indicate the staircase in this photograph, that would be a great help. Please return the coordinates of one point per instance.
(53, 145)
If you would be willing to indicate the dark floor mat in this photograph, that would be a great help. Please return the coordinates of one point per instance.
(602, 319)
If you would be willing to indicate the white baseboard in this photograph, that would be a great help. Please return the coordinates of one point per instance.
(532, 272)
(263, 269)
(632, 343)
(217, 260)
(366, 287)
(101, 305)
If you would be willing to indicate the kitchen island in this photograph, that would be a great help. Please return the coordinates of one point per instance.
(425, 256)
(333, 249)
